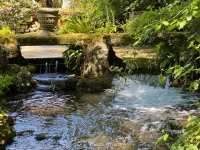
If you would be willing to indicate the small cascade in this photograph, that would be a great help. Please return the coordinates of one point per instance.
(49, 65)
(167, 82)
(46, 67)
(56, 66)
(50, 82)
(136, 65)
(51, 74)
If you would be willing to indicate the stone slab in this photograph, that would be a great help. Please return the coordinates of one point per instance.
(45, 51)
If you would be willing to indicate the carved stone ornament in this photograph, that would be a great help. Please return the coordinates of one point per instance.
(48, 19)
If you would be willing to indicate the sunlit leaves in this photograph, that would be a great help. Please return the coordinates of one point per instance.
(166, 23)
(164, 137)
(5, 81)
(189, 18)
(161, 79)
(182, 24)
(157, 27)
(190, 138)
(173, 25)
(194, 86)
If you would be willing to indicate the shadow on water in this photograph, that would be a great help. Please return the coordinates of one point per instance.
(129, 116)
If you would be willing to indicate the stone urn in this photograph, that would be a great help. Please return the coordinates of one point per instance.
(48, 19)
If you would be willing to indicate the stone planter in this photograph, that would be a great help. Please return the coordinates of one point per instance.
(48, 19)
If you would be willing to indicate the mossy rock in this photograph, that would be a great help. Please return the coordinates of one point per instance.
(22, 78)
(94, 84)
(71, 83)
(6, 130)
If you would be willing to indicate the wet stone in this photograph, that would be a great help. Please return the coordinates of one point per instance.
(40, 137)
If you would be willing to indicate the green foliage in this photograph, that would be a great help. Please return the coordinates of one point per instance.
(189, 138)
(57, 4)
(120, 9)
(15, 12)
(178, 53)
(73, 57)
(6, 30)
(78, 24)
(92, 17)
(163, 137)
(153, 4)
(5, 81)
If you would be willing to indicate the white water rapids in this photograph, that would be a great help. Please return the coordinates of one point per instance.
(132, 119)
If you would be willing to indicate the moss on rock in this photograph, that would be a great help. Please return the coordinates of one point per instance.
(6, 130)
(92, 83)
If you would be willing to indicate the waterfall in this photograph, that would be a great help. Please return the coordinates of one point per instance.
(136, 65)
(46, 67)
(56, 66)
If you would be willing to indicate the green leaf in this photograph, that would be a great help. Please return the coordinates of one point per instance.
(197, 71)
(197, 15)
(180, 90)
(191, 147)
(166, 23)
(197, 137)
(170, 70)
(164, 63)
(193, 86)
(157, 27)
(178, 72)
(162, 79)
(172, 27)
(182, 24)
(187, 71)
(193, 12)
(165, 137)
(189, 18)
(159, 140)
(189, 118)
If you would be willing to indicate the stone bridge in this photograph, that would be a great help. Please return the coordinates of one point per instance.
(97, 47)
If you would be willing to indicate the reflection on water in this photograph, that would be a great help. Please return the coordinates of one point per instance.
(130, 118)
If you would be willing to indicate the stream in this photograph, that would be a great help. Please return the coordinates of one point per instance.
(130, 116)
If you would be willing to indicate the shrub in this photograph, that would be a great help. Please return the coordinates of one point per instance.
(6, 30)
(15, 12)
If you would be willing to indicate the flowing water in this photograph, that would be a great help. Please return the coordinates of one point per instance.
(130, 116)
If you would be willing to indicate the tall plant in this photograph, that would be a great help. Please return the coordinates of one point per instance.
(73, 57)
(92, 17)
